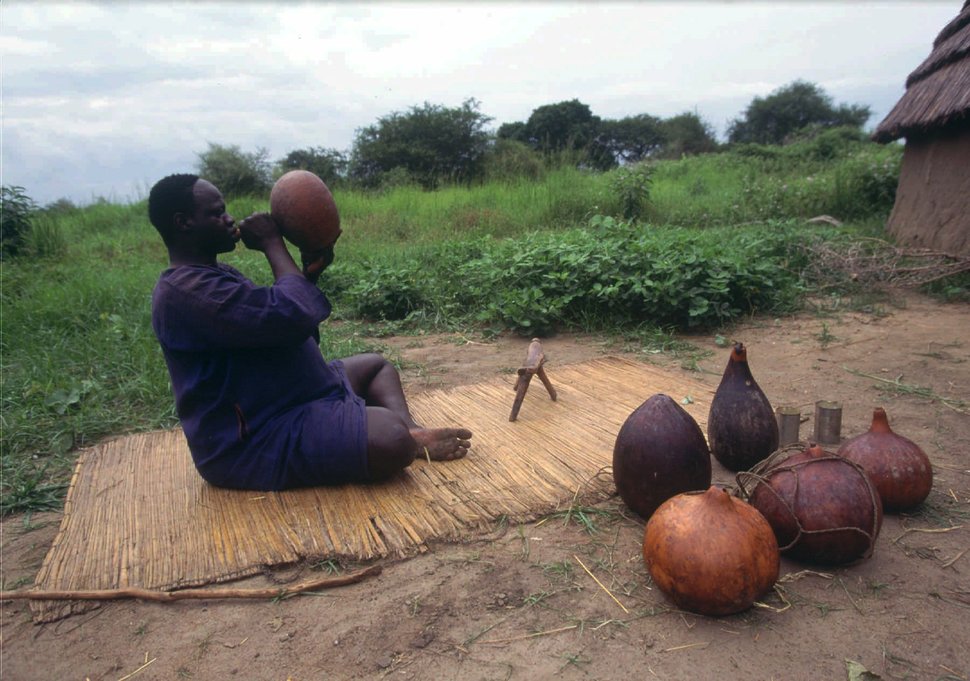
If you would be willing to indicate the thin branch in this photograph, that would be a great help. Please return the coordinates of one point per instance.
(186, 594)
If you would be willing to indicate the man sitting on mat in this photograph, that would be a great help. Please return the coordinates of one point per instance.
(260, 406)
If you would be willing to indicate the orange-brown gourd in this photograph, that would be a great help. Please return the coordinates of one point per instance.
(303, 207)
(710, 553)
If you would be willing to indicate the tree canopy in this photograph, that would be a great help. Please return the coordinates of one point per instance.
(771, 119)
(687, 134)
(558, 127)
(330, 165)
(235, 172)
(432, 143)
(631, 139)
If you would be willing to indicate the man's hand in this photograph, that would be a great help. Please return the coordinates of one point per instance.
(315, 263)
(261, 233)
(258, 231)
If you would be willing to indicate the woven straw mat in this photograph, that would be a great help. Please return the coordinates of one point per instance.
(137, 513)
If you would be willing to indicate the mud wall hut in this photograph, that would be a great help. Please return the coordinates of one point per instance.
(932, 208)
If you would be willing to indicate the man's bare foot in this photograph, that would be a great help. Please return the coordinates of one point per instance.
(441, 444)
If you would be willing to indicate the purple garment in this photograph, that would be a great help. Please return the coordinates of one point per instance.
(260, 406)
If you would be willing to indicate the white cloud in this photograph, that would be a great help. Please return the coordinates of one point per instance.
(103, 98)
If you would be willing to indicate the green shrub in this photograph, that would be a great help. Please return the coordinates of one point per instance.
(16, 212)
(631, 185)
(511, 161)
(235, 172)
(46, 238)
(615, 272)
(388, 291)
(865, 184)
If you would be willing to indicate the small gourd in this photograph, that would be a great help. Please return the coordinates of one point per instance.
(741, 426)
(900, 470)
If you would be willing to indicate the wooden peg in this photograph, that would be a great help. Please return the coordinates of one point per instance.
(532, 367)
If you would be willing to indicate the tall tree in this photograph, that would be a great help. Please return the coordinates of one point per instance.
(562, 126)
(432, 143)
(234, 171)
(769, 120)
(687, 134)
(329, 165)
(512, 131)
(629, 140)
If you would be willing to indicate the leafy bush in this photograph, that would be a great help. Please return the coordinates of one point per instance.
(617, 273)
(235, 172)
(509, 160)
(632, 187)
(330, 165)
(387, 292)
(46, 237)
(865, 184)
(16, 211)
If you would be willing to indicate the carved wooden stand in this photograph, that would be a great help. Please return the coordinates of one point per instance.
(532, 367)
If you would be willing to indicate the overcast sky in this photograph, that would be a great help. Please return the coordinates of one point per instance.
(103, 99)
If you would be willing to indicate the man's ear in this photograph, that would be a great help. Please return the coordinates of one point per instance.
(180, 221)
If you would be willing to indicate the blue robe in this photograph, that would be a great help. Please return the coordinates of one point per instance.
(260, 406)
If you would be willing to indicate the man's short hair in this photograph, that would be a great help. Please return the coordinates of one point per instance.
(171, 195)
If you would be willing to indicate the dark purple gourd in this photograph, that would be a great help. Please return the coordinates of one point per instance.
(741, 426)
(660, 451)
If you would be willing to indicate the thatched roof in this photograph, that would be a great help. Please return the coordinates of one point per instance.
(938, 91)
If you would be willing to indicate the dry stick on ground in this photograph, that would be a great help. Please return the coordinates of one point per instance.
(930, 530)
(185, 594)
(608, 592)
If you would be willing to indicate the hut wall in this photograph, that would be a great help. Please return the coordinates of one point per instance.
(932, 208)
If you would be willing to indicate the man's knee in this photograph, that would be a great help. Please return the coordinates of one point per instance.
(390, 447)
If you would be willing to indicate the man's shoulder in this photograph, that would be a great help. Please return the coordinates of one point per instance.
(192, 276)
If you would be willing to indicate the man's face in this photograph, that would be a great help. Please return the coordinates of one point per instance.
(211, 225)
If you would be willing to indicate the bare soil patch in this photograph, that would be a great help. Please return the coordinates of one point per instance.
(521, 603)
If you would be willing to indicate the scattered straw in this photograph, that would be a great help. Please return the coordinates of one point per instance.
(609, 593)
(795, 576)
(700, 644)
(781, 594)
(955, 558)
(128, 676)
(523, 637)
(928, 530)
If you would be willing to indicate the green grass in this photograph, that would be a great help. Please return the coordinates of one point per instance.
(721, 239)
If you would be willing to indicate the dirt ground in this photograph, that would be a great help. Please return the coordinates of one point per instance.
(521, 605)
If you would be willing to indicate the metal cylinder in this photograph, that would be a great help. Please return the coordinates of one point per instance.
(828, 422)
(789, 420)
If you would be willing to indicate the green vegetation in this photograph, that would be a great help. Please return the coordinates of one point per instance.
(718, 237)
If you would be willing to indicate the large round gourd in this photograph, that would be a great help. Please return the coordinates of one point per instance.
(660, 451)
(710, 553)
(303, 207)
(823, 508)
